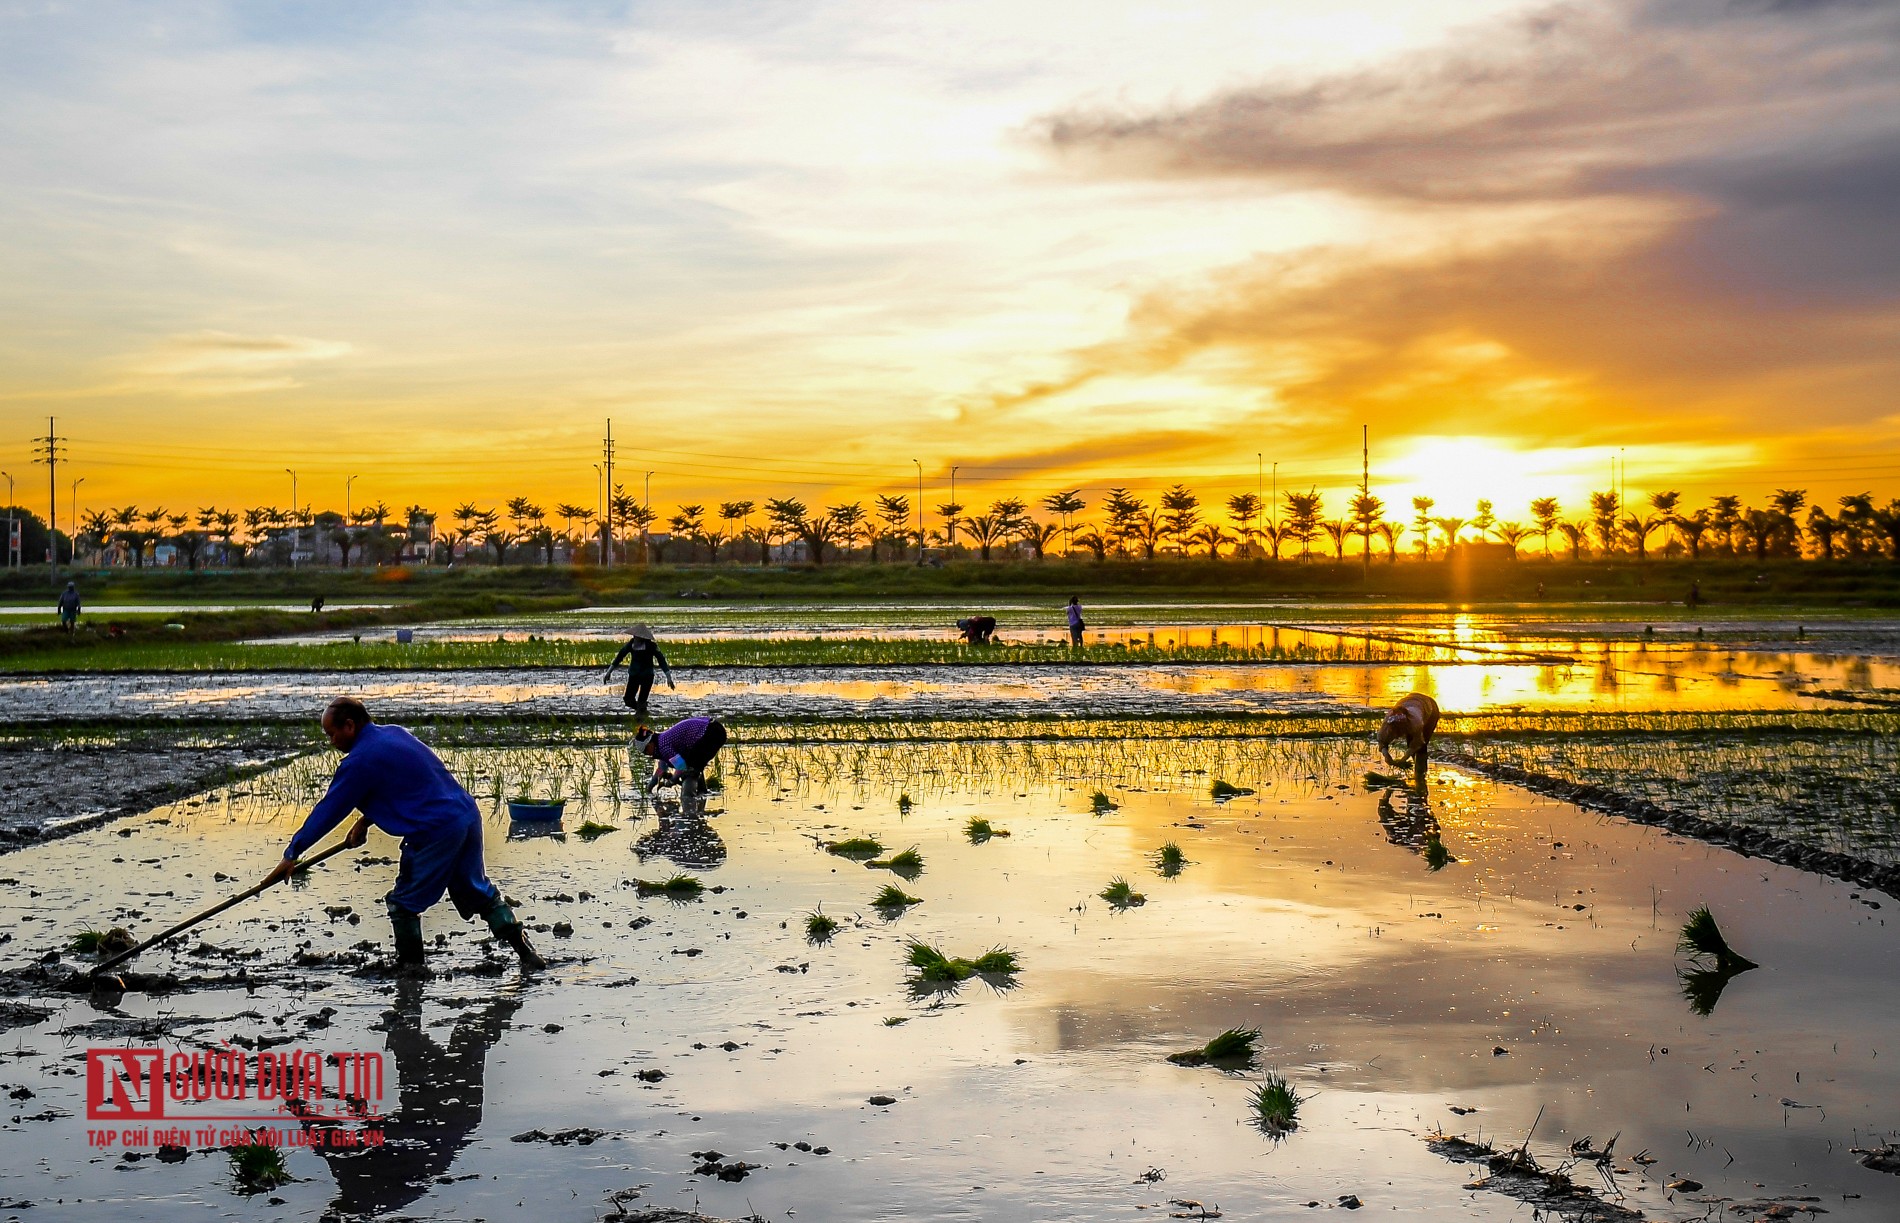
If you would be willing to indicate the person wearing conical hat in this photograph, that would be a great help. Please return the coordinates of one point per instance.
(641, 653)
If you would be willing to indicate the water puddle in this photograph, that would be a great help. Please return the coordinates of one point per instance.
(1534, 969)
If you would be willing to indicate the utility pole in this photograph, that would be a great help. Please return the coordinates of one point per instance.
(47, 451)
(1276, 507)
(646, 517)
(1365, 490)
(607, 519)
(920, 510)
(296, 519)
(950, 528)
(1260, 481)
(72, 552)
(597, 495)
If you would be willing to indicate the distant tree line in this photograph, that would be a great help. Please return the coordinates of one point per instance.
(1124, 525)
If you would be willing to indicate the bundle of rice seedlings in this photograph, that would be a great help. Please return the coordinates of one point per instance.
(909, 863)
(87, 942)
(1222, 791)
(997, 962)
(1102, 803)
(934, 967)
(1702, 938)
(819, 926)
(590, 830)
(1234, 1046)
(855, 847)
(1437, 857)
(1276, 1106)
(890, 896)
(1121, 895)
(1169, 859)
(258, 1166)
(677, 887)
(904, 804)
(980, 830)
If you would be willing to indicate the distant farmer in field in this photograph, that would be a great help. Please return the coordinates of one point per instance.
(1412, 721)
(316, 604)
(69, 607)
(682, 751)
(1075, 621)
(641, 652)
(401, 787)
(977, 630)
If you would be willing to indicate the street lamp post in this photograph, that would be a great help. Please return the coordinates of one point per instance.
(296, 528)
(72, 545)
(600, 549)
(646, 518)
(346, 497)
(920, 510)
(13, 553)
(950, 528)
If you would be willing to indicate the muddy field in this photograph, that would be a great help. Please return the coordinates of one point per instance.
(1532, 966)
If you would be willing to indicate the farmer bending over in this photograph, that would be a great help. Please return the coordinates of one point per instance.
(977, 630)
(1412, 720)
(683, 750)
(641, 652)
(401, 787)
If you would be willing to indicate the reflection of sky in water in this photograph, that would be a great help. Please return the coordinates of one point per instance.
(1381, 988)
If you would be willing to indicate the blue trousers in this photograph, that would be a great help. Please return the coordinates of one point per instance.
(446, 860)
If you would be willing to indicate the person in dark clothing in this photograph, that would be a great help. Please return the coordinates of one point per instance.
(641, 653)
(1412, 721)
(404, 789)
(681, 751)
(69, 607)
(977, 630)
(1075, 620)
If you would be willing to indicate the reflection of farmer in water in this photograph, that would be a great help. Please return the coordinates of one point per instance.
(683, 837)
(403, 788)
(437, 1112)
(1410, 825)
(977, 630)
(641, 653)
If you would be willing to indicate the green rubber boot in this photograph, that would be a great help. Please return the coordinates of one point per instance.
(507, 927)
(409, 956)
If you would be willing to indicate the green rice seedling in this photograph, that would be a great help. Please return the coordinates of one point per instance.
(1233, 1047)
(87, 942)
(591, 830)
(997, 962)
(1102, 804)
(678, 887)
(1702, 938)
(890, 896)
(258, 1166)
(1222, 791)
(855, 847)
(909, 864)
(1437, 857)
(892, 1021)
(1120, 894)
(1169, 860)
(904, 804)
(1376, 780)
(934, 967)
(820, 926)
(1276, 1106)
(978, 830)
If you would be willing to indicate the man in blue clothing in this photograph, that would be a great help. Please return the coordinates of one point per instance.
(641, 653)
(401, 787)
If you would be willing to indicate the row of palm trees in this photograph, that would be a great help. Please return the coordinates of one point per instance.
(1128, 526)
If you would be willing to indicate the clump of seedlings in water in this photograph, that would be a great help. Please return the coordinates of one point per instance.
(820, 926)
(1120, 894)
(904, 804)
(258, 1166)
(88, 942)
(1222, 791)
(679, 887)
(980, 830)
(892, 898)
(935, 968)
(855, 847)
(1233, 1047)
(1169, 860)
(1276, 1106)
(1102, 803)
(1437, 857)
(591, 830)
(1702, 939)
(909, 864)
(892, 1021)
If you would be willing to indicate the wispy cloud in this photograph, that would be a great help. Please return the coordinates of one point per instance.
(223, 363)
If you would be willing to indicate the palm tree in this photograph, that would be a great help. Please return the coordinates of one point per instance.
(1577, 535)
(817, 533)
(467, 520)
(1639, 529)
(1180, 514)
(783, 516)
(1303, 513)
(1367, 511)
(1038, 535)
(1092, 540)
(688, 524)
(1066, 504)
(1545, 511)
(1122, 509)
(1887, 519)
(1242, 509)
(1146, 533)
(950, 511)
(95, 529)
(1603, 510)
(1449, 528)
(1390, 532)
(1211, 537)
(985, 531)
(1822, 528)
(1857, 523)
(1725, 513)
(893, 516)
(1758, 530)
(736, 512)
(1339, 530)
(1690, 529)
(1484, 519)
(849, 518)
(1422, 522)
(1512, 534)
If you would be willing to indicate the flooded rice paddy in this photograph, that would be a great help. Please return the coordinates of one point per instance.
(1522, 973)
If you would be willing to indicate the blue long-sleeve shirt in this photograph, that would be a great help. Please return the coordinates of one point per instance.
(396, 781)
(641, 653)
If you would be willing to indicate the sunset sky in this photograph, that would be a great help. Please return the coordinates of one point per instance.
(789, 249)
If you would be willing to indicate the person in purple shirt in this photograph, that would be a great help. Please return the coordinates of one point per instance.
(401, 787)
(1075, 620)
(682, 750)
